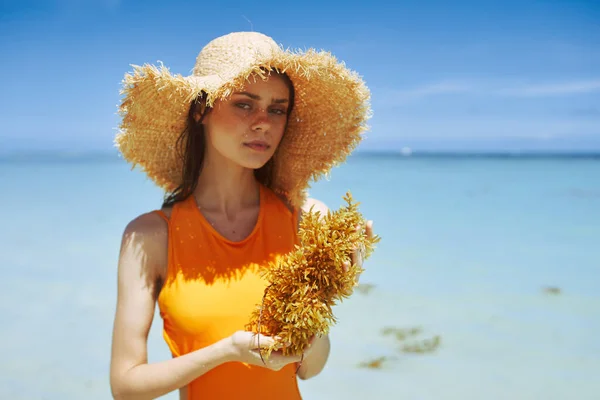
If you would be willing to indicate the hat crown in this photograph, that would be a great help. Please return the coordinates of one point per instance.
(225, 55)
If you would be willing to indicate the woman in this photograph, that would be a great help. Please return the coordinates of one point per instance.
(234, 146)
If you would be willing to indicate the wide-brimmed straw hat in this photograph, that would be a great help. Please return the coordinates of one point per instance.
(327, 122)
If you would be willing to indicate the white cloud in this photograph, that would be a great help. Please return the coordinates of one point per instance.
(435, 89)
(479, 128)
(488, 89)
(552, 89)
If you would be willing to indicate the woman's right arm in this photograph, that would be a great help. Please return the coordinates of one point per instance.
(142, 260)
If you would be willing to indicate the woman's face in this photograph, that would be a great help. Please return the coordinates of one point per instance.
(248, 126)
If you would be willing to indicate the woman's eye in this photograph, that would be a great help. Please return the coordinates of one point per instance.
(244, 106)
(278, 111)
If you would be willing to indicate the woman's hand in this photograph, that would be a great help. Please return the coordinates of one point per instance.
(358, 256)
(245, 348)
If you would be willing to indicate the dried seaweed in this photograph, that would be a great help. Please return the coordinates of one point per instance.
(402, 333)
(408, 344)
(365, 288)
(552, 290)
(419, 346)
(376, 363)
(307, 282)
(424, 346)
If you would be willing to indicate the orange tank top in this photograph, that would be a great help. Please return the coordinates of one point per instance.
(211, 288)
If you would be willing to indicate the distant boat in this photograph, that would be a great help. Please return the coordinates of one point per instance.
(406, 151)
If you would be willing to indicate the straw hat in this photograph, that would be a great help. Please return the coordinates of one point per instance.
(327, 121)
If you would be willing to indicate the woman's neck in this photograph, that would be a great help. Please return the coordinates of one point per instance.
(227, 188)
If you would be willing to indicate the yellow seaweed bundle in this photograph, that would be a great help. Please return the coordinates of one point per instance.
(307, 282)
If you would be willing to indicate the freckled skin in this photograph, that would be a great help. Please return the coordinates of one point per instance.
(242, 118)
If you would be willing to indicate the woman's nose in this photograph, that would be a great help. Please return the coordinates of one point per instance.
(260, 119)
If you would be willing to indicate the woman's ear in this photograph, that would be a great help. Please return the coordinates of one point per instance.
(197, 116)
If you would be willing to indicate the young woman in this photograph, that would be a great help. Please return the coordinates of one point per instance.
(234, 146)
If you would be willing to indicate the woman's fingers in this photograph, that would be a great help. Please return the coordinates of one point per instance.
(277, 360)
(347, 265)
(358, 255)
(370, 229)
(262, 341)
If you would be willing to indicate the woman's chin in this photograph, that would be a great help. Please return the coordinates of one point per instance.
(255, 162)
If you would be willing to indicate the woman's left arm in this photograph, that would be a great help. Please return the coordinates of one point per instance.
(315, 361)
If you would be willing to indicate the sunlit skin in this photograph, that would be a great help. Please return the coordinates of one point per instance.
(242, 132)
(245, 129)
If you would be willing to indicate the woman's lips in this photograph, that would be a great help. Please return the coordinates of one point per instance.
(257, 145)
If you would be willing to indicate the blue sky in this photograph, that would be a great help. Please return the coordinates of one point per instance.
(470, 75)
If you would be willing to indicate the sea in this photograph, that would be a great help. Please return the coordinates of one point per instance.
(485, 284)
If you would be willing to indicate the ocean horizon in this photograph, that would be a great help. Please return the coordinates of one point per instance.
(49, 155)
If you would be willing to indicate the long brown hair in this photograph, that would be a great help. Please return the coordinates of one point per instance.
(191, 145)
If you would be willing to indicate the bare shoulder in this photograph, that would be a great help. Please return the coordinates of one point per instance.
(316, 205)
(148, 227)
(145, 246)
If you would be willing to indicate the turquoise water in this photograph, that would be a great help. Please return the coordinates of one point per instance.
(467, 245)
